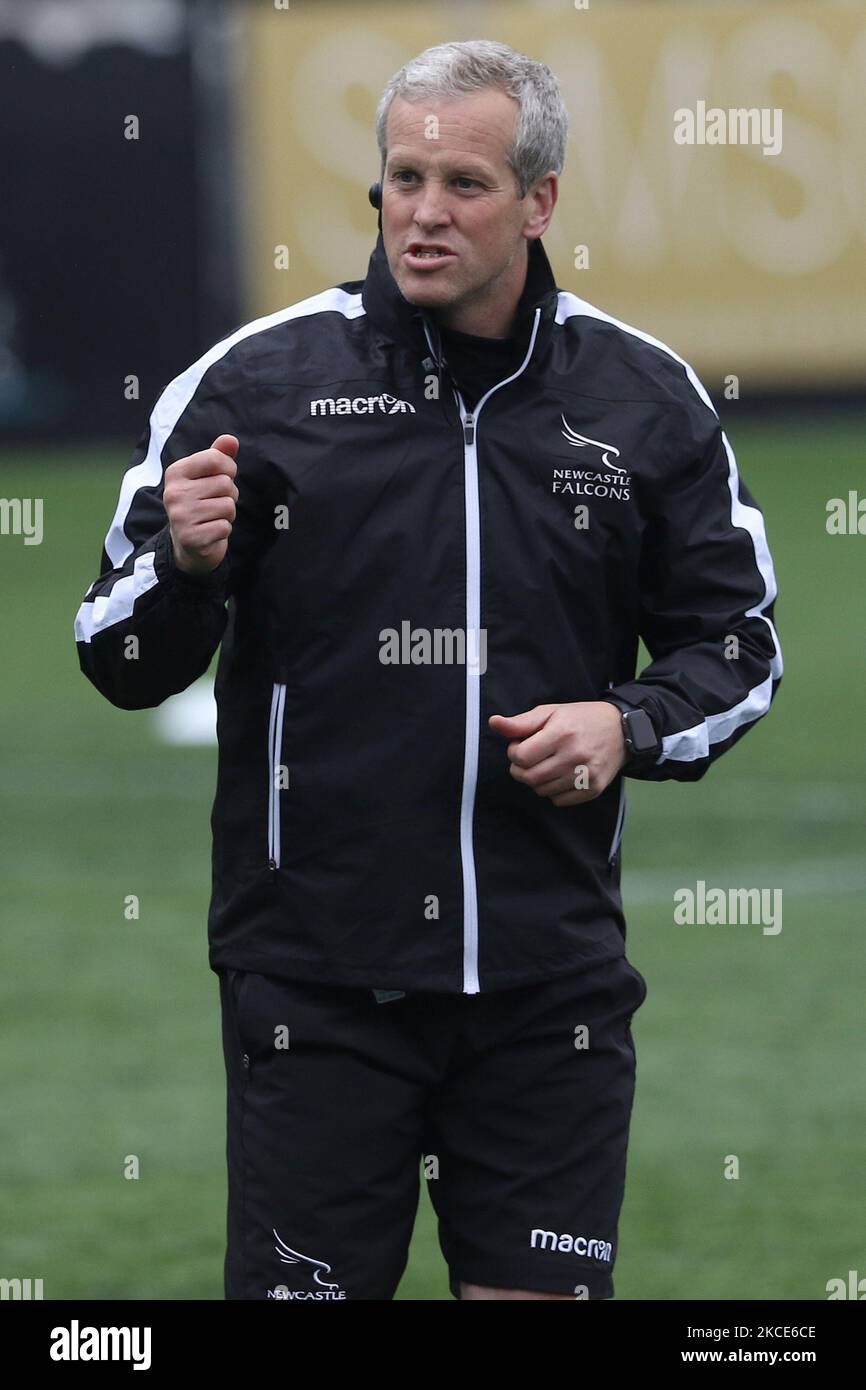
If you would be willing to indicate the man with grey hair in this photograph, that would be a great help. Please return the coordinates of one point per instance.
(416, 917)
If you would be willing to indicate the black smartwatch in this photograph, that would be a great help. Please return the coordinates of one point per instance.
(642, 743)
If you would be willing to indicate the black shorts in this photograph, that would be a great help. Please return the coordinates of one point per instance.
(513, 1106)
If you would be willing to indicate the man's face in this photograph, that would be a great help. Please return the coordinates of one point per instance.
(457, 191)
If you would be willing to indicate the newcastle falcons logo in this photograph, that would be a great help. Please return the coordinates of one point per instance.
(293, 1257)
(580, 441)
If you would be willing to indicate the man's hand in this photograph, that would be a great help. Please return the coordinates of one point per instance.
(567, 752)
(199, 497)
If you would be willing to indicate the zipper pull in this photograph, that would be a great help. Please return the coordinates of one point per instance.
(469, 429)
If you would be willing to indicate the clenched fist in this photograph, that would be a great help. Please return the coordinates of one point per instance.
(199, 496)
(567, 752)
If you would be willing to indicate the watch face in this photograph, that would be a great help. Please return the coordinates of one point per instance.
(641, 732)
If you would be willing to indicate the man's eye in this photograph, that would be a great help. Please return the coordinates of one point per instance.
(404, 175)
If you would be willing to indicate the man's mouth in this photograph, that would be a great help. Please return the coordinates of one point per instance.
(428, 249)
(420, 251)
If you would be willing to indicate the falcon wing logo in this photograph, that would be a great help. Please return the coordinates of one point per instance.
(292, 1257)
(580, 441)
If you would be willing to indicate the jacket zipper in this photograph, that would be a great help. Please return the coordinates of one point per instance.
(275, 747)
(618, 828)
(471, 983)
(469, 422)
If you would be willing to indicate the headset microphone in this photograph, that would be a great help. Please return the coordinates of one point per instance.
(375, 196)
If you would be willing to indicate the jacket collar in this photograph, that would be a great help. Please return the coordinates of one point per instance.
(392, 314)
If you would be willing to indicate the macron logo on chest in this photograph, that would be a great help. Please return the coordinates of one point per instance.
(383, 404)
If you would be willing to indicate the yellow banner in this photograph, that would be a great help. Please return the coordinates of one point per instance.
(714, 191)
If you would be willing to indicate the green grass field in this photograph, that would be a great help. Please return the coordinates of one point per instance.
(747, 1045)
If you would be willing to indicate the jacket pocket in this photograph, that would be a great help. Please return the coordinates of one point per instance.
(275, 773)
(618, 827)
(236, 981)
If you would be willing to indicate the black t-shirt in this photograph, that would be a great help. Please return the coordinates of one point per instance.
(476, 363)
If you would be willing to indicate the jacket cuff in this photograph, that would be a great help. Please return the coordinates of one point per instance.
(637, 763)
(631, 695)
(178, 582)
(624, 705)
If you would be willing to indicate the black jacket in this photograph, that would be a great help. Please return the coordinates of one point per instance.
(366, 828)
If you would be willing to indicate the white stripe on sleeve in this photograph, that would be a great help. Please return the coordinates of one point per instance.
(690, 744)
(117, 605)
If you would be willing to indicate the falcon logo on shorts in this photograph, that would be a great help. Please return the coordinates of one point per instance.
(577, 1245)
(292, 1257)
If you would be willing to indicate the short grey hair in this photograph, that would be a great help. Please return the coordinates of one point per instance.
(453, 70)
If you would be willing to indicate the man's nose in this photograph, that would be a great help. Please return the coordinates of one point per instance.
(432, 207)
